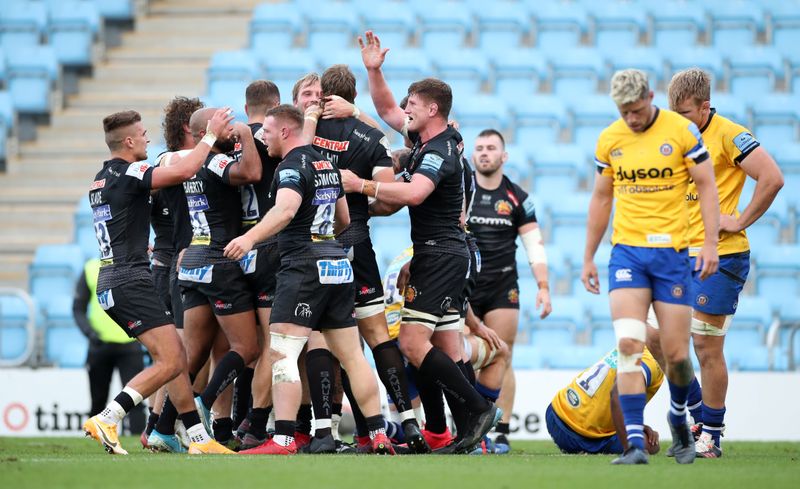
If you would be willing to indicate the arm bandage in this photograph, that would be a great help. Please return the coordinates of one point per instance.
(285, 369)
(534, 246)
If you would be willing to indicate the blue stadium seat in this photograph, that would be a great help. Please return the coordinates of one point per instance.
(742, 354)
(703, 57)
(734, 23)
(777, 273)
(675, 23)
(66, 346)
(502, 24)
(328, 32)
(518, 167)
(22, 23)
(568, 314)
(120, 10)
(574, 357)
(394, 24)
(784, 25)
(32, 71)
(787, 154)
(54, 271)
(465, 70)
(228, 75)
(72, 31)
(481, 111)
(776, 119)
(558, 28)
(793, 74)
(389, 240)
(275, 26)
(538, 119)
(753, 71)
(567, 158)
(13, 341)
(518, 72)
(646, 59)
(442, 24)
(616, 25)
(527, 357)
(576, 71)
(732, 108)
(591, 114)
(403, 67)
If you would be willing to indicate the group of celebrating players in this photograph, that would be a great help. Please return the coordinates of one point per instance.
(263, 283)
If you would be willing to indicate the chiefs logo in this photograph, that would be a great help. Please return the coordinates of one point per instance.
(411, 294)
(513, 296)
(503, 208)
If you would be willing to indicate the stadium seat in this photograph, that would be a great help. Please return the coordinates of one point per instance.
(518, 72)
(776, 119)
(590, 115)
(787, 155)
(568, 314)
(518, 167)
(393, 24)
(66, 346)
(13, 341)
(22, 23)
(527, 357)
(557, 27)
(734, 23)
(405, 66)
(742, 354)
(615, 25)
(120, 10)
(502, 25)
(783, 26)
(328, 32)
(54, 271)
(753, 72)
(703, 57)
(777, 271)
(481, 111)
(32, 72)
(466, 71)
(442, 24)
(576, 71)
(72, 30)
(228, 75)
(538, 119)
(675, 23)
(275, 26)
(646, 59)
(574, 357)
(732, 108)
(559, 158)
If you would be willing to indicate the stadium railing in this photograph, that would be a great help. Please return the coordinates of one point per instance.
(28, 316)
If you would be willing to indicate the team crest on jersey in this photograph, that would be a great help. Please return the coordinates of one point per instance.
(97, 184)
(411, 293)
(322, 165)
(702, 300)
(337, 146)
(573, 398)
(666, 149)
(218, 164)
(513, 296)
(616, 153)
(503, 208)
(677, 291)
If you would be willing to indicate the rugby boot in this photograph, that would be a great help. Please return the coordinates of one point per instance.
(205, 415)
(301, 439)
(242, 430)
(104, 433)
(697, 429)
(344, 448)
(705, 447)
(414, 438)
(485, 447)
(158, 442)
(479, 425)
(363, 444)
(501, 444)
(682, 448)
(381, 445)
(210, 447)
(437, 440)
(631, 456)
(250, 441)
(326, 444)
(271, 448)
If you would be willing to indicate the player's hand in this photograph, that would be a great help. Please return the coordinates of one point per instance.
(651, 440)
(403, 276)
(371, 52)
(453, 123)
(351, 182)
(589, 277)
(729, 224)
(335, 107)
(242, 130)
(543, 303)
(220, 122)
(313, 110)
(489, 335)
(707, 261)
(238, 248)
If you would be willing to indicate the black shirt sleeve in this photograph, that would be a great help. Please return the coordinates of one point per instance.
(526, 211)
(435, 167)
(142, 175)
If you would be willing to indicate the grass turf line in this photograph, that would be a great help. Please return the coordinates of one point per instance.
(80, 463)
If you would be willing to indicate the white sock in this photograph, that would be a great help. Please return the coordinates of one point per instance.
(408, 414)
(197, 434)
(323, 423)
(335, 420)
(420, 414)
(112, 414)
(271, 421)
(137, 398)
(283, 440)
(374, 433)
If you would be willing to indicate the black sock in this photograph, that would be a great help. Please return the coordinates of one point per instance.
(432, 402)
(125, 401)
(391, 371)
(303, 420)
(226, 371)
(151, 422)
(358, 416)
(502, 428)
(459, 412)
(223, 429)
(189, 418)
(375, 423)
(166, 421)
(258, 422)
(319, 370)
(336, 408)
(242, 390)
(285, 427)
(446, 373)
(468, 371)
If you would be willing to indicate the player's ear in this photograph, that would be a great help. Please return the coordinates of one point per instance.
(433, 109)
(505, 156)
(706, 105)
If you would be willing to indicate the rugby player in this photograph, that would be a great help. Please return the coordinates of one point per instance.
(501, 211)
(433, 189)
(645, 160)
(120, 200)
(315, 283)
(735, 155)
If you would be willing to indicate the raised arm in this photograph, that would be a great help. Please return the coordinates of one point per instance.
(373, 56)
(248, 169)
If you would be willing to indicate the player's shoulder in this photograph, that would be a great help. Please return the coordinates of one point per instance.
(613, 131)
(512, 187)
(216, 163)
(136, 170)
(728, 127)
(675, 120)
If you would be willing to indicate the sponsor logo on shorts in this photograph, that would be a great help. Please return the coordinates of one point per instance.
(325, 196)
(513, 296)
(666, 149)
(446, 303)
(503, 208)
(106, 299)
(333, 272)
(573, 398)
(366, 290)
(98, 184)
(330, 145)
(201, 275)
(677, 291)
(302, 310)
(702, 300)
(264, 297)
(101, 213)
(222, 306)
(735, 305)
(134, 324)
(393, 317)
(322, 165)
(623, 275)
(411, 293)
(248, 262)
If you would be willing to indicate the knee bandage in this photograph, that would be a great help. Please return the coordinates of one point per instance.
(285, 369)
(703, 328)
(634, 329)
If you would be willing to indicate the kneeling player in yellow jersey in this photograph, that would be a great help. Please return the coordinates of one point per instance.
(585, 416)
(735, 154)
(645, 161)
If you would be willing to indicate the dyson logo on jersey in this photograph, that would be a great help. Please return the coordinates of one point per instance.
(325, 196)
(102, 213)
(200, 275)
(643, 173)
(197, 202)
(333, 272)
(338, 146)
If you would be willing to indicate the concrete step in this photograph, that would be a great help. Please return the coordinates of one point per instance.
(202, 7)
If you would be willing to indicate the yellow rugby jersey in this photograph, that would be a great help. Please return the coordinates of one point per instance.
(651, 175)
(728, 144)
(392, 297)
(585, 404)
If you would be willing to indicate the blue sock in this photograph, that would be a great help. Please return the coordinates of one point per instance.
(695, 401)
(677, 409)
(489, 394)
(633, 412)
(713, 420)
(394, 431)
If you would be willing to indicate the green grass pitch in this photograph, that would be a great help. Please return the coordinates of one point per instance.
(80, 463)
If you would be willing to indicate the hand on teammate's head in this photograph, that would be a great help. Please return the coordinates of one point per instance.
(220, 122)
(335, 107)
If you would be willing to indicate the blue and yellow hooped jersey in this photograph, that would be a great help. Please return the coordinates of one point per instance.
(585, 404)
(651, 175)
(392, 296)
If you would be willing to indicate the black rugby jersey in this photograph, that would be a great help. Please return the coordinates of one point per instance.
(255, 196)
(120, 200)
(161, 221)
(495, 221)
(353, 145)
(175, 200)
(317, 180)
(435, 223)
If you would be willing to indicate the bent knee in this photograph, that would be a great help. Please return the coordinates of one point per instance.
(629, 346)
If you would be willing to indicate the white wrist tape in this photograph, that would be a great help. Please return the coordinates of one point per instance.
(534, 246)
(634, 329)
(285, 369)
(209, 139)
